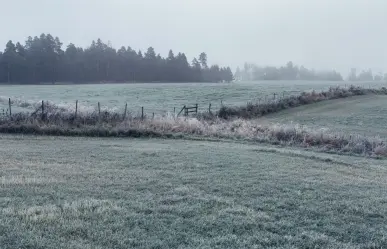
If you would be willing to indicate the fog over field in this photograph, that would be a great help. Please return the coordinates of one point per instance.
(117, 130)
(320, 34)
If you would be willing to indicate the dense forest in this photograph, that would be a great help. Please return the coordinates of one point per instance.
(42, 59)
(288, 72)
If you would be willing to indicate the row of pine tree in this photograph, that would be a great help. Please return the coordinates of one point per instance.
(42, 59)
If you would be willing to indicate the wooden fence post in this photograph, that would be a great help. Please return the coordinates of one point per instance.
(99, 111)
(283, 95)
(274, 96)
(76, 108)
(196, 108)
(126, 108)
(43, 110)
(209, 108)
(153, 115)
(142, 113)
(9, 103)
(174, 111)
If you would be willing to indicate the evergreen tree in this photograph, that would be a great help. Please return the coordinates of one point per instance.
(42, 59)
(203, 60)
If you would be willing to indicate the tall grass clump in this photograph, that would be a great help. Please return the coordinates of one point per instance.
(257, 110)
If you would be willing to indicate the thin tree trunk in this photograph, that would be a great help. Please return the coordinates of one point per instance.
(107, 70)
(9, 74)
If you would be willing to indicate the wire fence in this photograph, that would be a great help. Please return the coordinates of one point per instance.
(11, 107)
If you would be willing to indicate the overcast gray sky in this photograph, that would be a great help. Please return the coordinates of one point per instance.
(320, 34)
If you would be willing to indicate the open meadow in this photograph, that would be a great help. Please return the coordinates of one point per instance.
(158, 97)
(311, 175)
(117, 193)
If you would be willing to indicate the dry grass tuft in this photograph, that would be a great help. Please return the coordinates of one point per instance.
(250, 130)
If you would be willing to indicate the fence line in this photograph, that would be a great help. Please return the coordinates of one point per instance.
(186, 110)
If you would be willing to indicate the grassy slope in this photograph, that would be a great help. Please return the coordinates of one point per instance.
(363, 115)
(119, 193)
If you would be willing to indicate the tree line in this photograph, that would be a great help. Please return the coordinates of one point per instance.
(366, 75)
(287, 72)
(42, 59)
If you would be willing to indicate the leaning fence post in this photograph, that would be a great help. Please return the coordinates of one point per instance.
(182, 109)
(9, 103)
(76, 108)
(142, 113)
(126, 108)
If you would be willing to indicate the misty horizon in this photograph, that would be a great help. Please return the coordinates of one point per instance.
(323, 35)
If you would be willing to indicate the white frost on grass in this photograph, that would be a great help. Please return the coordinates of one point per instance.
(25, 181)
(56, 211)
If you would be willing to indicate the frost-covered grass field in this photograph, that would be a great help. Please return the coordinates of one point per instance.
(260, 183)
(363, 115)
(158, 97)
(60, 192)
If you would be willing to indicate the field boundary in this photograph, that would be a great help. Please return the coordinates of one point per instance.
(260, 107)
(51, 121)
(281, 135)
